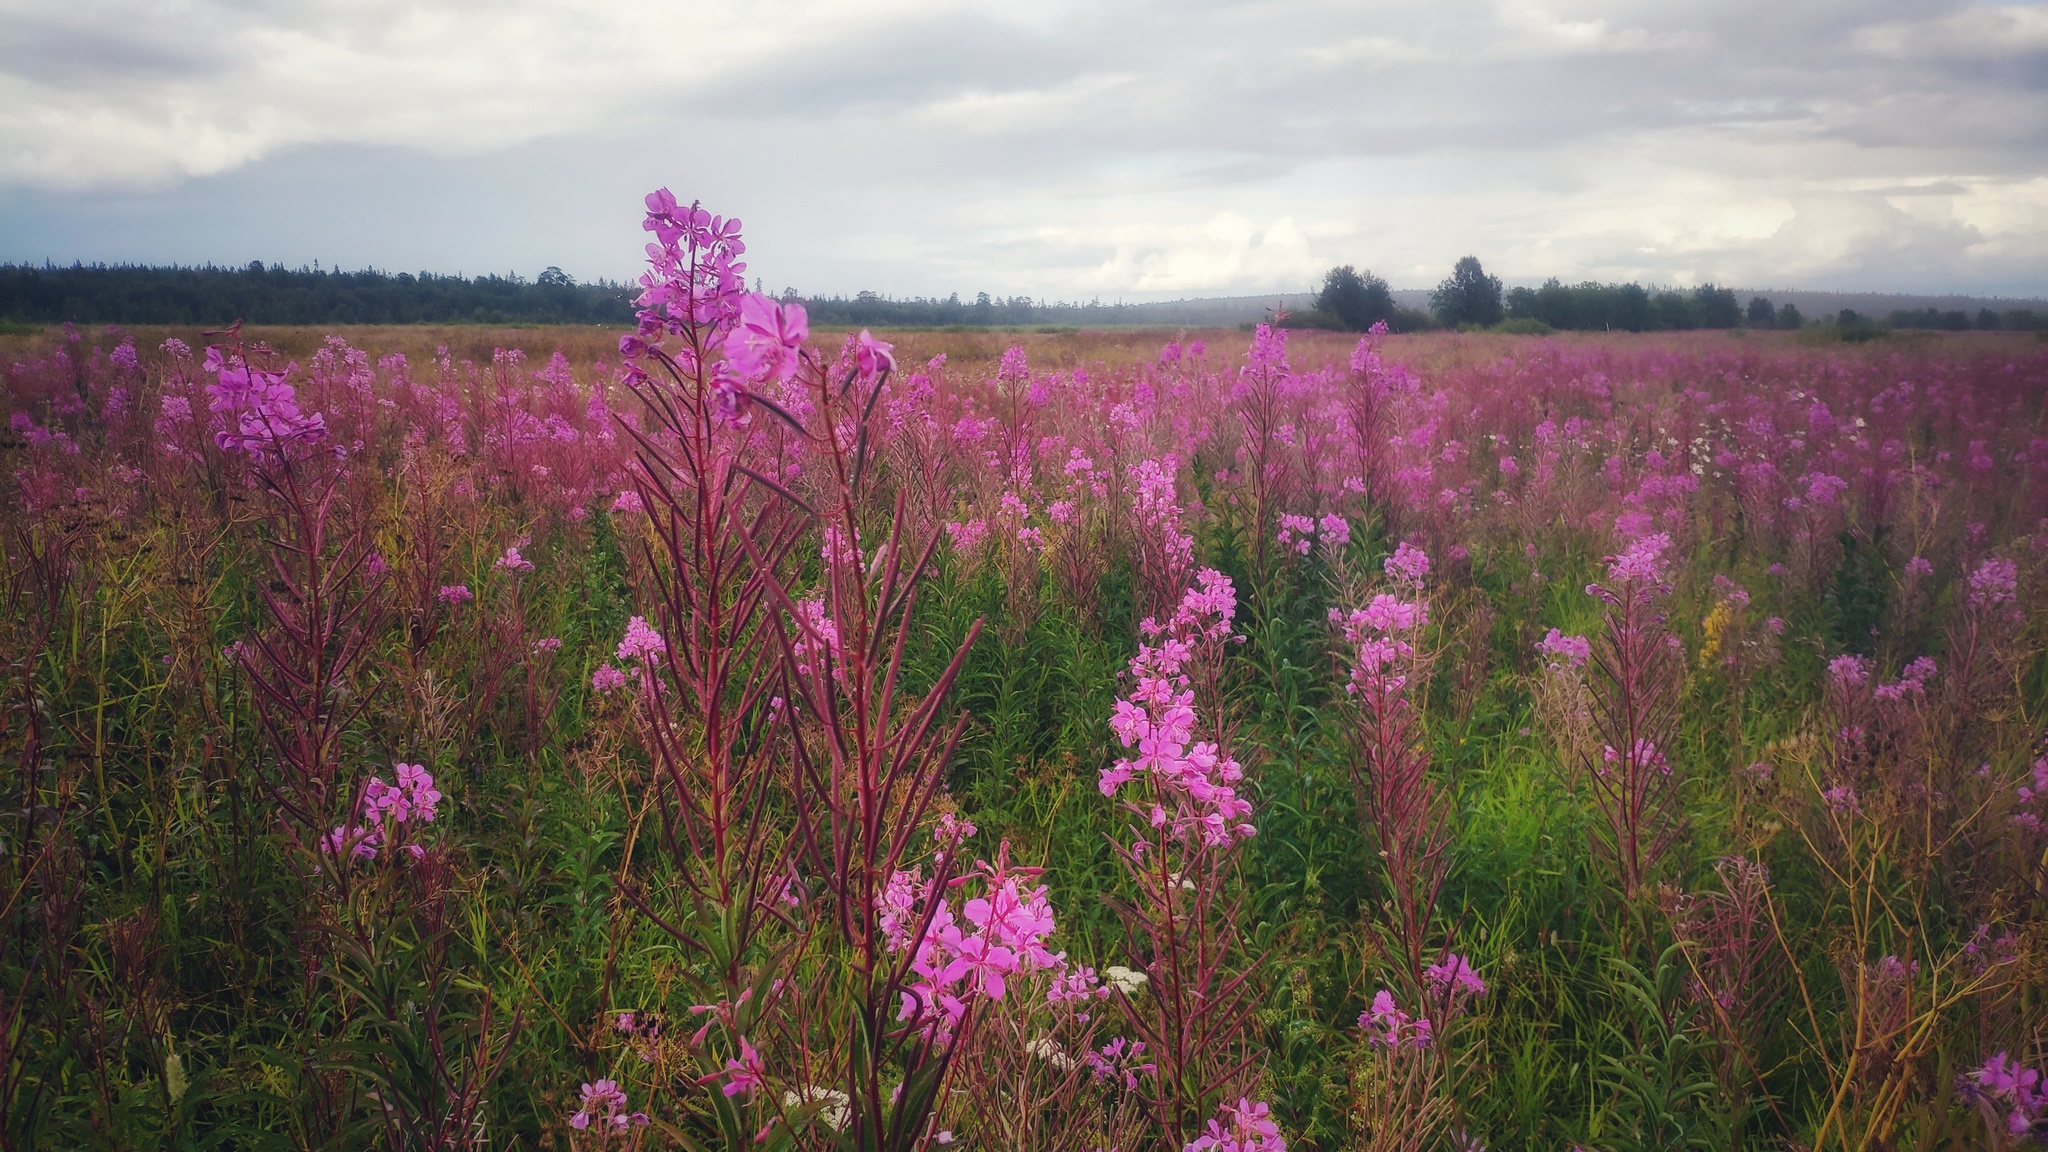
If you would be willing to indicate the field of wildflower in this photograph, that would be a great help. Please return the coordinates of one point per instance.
(729, 736)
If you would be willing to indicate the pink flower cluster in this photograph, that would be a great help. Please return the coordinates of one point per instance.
(641, 641)
(603, 1105)
(2034, 793)
(817, 641)
(2002, 1082)
(1120, 1059)
(386, 808)
(1156, 508)
(1562, 651)
(1378, 632)
(1004, 936)
(1387, 1027)
(1408, 564)
(1452, 984)
(1453, 980)
(694, 276)
(1246, 1126)
(1912, 681)
(1298, 534)
(259, 412)
(1642, 562)
(743, 1073)
(1993, 583)
(1643, 756)
(1193, 778)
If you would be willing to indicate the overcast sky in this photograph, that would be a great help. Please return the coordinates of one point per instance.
(1063, 150)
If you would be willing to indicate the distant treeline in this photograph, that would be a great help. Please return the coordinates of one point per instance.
(132, 294)
(873, 310)
(1471, 298)
(1957, 320)
(1633, 308)
(1627, 307)
(259, 294)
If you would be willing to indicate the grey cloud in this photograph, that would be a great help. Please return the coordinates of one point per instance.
(1058, 148)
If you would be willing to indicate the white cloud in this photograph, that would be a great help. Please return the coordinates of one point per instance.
(1143, 147)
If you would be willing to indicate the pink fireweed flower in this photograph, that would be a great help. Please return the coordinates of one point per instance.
(1297, 533)
(743, 1074)
(1243, 1127)
(454, 595)
(1120, 1059)
(628, 501)
(641, 642)
(264, 410)
(871, 355)
(1157, 718)
(994, 938)
(1389, 1028)
(1452, 980)
(817, 641)
(966, 537)
(1849, 671)
(764, 344)
(607, 679)
(1334, 530)
(1642, 562)
(418, 786)
(1643, 756)
(1911, 684)
(512, 561)
(1408, 564)
(1994, 582)
(1564, 651)
(359, 842)
(604, 1105)
(1387, 613)
(2003, 1081)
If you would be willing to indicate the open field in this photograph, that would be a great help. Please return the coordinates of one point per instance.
(1441, 741)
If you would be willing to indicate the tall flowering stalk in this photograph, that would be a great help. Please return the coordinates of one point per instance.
(1637, 668)
(718, 532)
(1163, 552)
(1407, 813)
(324, 597)
(868, 761)
(709, 697)
(1370, 393)
(830, 1014)
(1402, 1099)
(1180, 786)
(1261, 387)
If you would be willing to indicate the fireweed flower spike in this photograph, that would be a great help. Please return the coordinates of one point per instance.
(1638, 669)
(257, 412)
